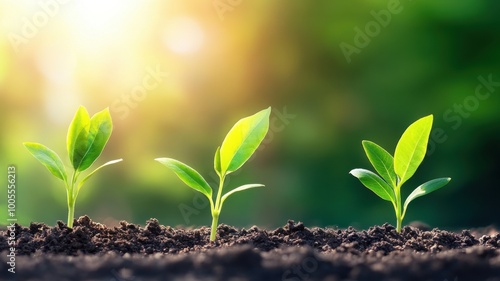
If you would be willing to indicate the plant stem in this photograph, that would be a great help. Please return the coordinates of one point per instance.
(216, 211)
(399, 219)
(398, 226)
(219, 194)
(71, 209)
(71, 199)
(213, 229)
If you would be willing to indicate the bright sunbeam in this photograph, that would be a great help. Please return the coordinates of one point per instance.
(183, 35)
(89, 25)
(57, 65)
(95, 22)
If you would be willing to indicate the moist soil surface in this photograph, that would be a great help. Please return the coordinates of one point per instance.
(92, 251)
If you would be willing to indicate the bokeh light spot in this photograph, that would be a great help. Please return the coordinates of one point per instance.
(183, 35)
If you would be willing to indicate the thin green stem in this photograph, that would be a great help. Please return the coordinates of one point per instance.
(71, 196)
(216, 210)
(219, 194)
(71, 209)
(213, 229)
(399, 218)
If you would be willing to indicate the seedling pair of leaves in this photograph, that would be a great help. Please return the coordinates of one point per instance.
(393, 172)
(86, 139)
(238, 146)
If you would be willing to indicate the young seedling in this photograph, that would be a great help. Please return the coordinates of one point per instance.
(85, 141)
(238, 146)
(395, 171)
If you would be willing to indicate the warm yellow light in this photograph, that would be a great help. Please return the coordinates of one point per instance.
(96, 23)
(183, 35)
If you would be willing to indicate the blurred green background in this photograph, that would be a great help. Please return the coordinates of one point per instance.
(178, 74)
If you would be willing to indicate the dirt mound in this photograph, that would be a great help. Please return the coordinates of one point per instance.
(92, 251)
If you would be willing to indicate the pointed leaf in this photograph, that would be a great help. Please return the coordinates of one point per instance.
(411, 148)
(382, 161)
(78, 130)
(238, 189)
(217, 162)
(98, 135)
(424, 189)
(48, 158)
(100, 167)
(188, 175)
(81, 146)
(242, 140)
(373, 182)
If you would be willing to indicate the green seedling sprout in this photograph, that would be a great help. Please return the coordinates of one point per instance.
(238, 146)
(85, 141)
(395, 171)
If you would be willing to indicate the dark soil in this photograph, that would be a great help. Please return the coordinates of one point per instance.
(92, 251)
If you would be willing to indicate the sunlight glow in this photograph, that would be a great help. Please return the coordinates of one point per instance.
(94, 17)
(57, 65)
(183, 35)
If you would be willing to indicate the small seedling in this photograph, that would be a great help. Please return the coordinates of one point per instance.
(85, 141)
(395, 171)
(238, 146)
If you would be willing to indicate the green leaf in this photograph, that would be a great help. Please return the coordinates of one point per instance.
(77, 136)
(188, 175)
(217, 162)
(242, 141)
(424, 189)
(100, 167)
(48, 158)
(98, 135)
(411, 148)
(238, 189)
(382, 161)
(373, 182)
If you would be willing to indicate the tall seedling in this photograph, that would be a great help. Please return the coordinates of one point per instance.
(393, 172)
(85, 141)
(238, 146)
